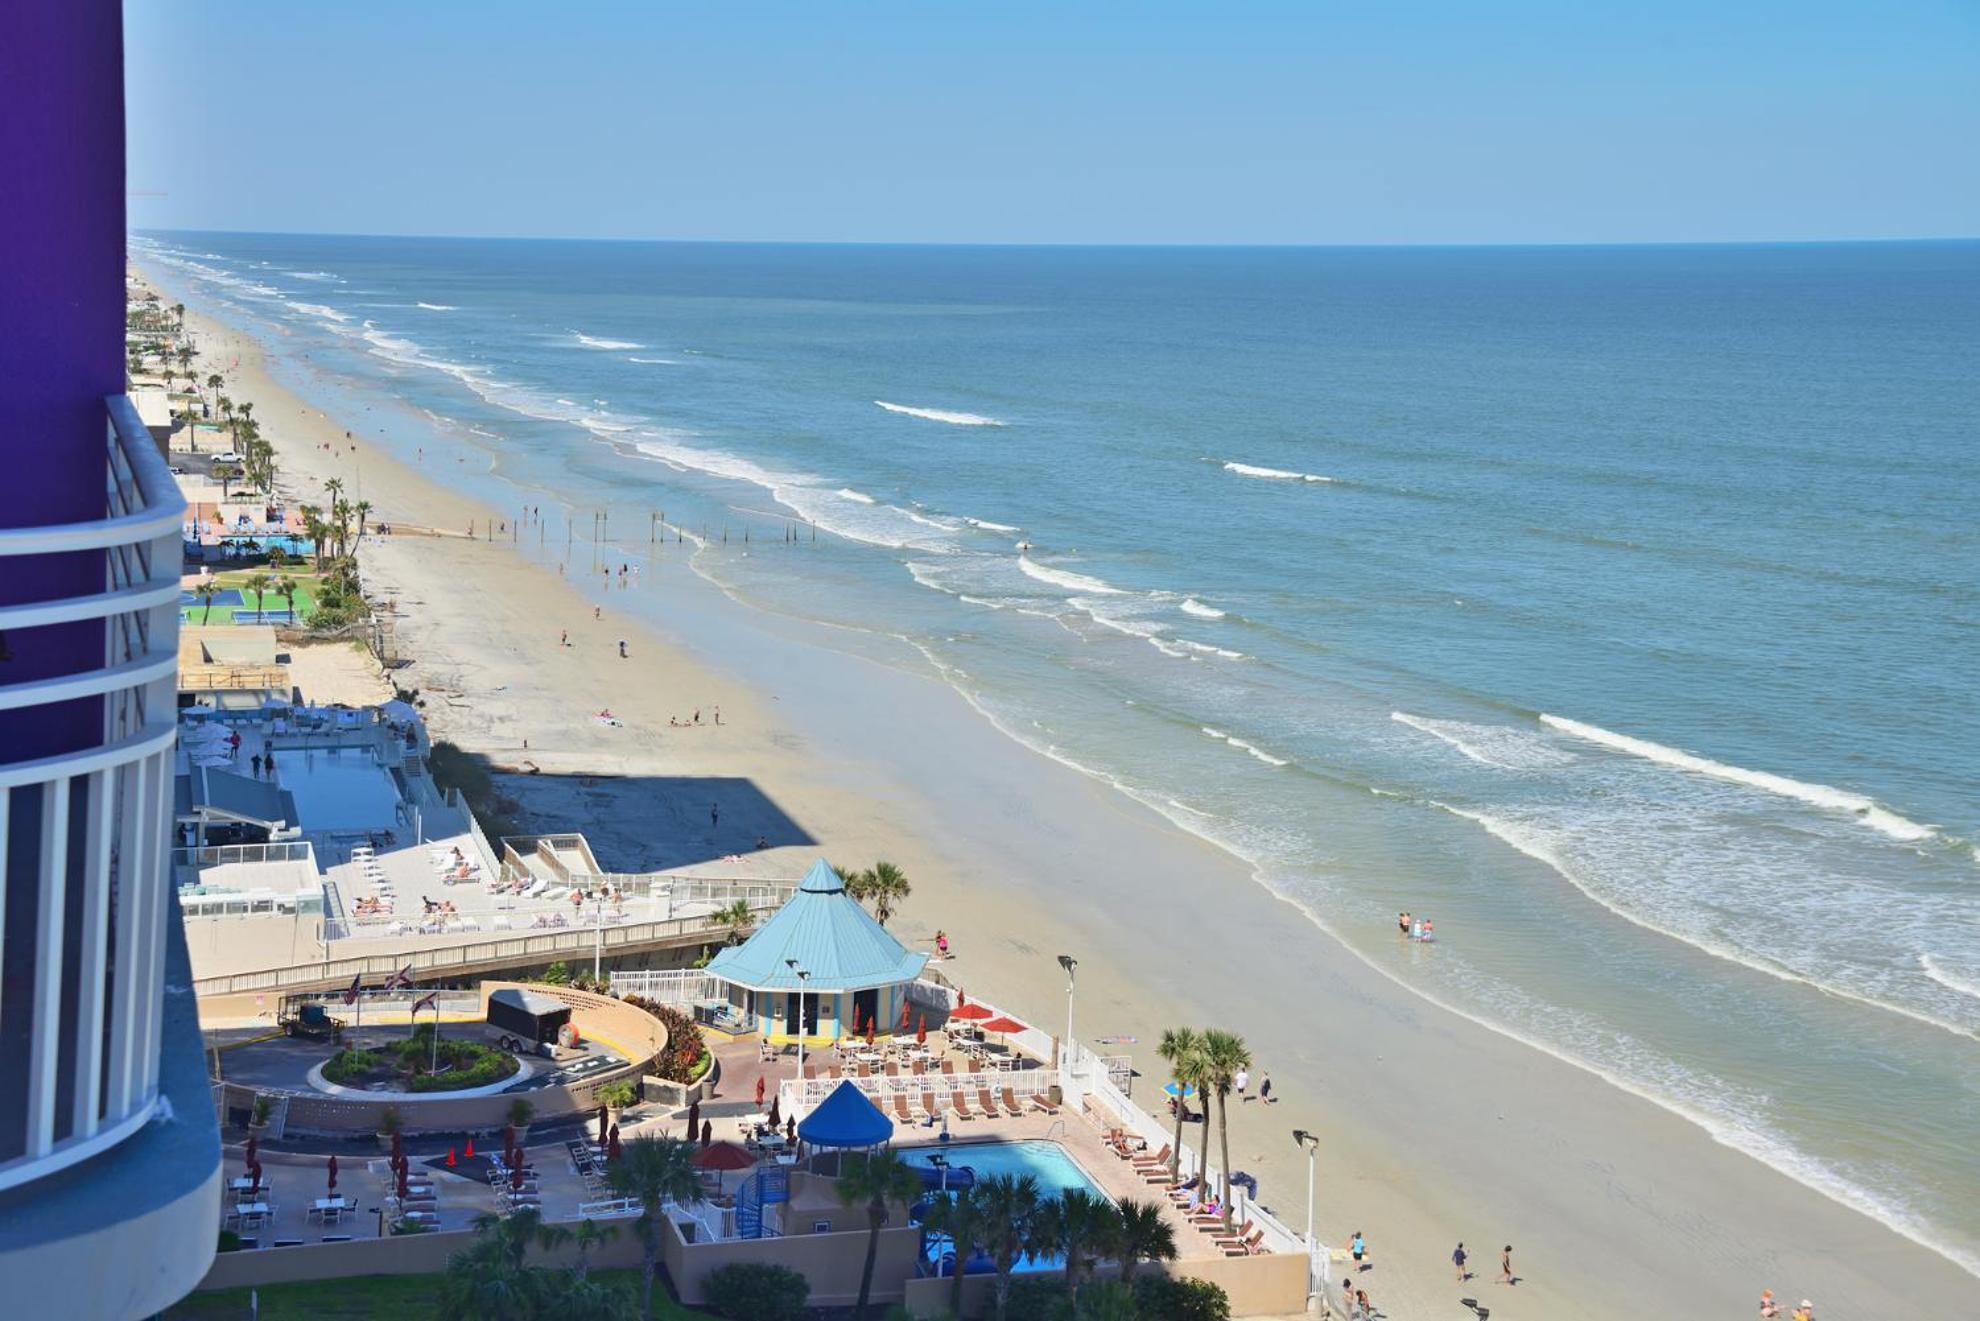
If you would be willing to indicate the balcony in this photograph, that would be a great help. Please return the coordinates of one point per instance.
(106, 1126)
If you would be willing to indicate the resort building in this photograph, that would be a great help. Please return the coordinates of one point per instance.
(820, 969)
(109, 1150)
(235, 668)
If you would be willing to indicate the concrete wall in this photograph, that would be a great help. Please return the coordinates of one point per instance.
(1273, 1285)
(832, 1262)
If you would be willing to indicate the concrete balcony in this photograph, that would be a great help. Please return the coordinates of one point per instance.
(105, 1121)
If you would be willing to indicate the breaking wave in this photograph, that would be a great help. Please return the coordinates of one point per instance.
(595, 342)
(1273, 474)
(941, 415)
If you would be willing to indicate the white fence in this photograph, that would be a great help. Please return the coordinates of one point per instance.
(680, 986)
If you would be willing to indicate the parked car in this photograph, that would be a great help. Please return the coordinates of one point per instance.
(228, 457)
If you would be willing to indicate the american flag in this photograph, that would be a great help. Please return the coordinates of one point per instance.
(350, 996)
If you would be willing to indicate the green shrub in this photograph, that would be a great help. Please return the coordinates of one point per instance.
(229, 1241)
(758, 1291)
(1181, 1300)
(618, 1095)
(686, 1057)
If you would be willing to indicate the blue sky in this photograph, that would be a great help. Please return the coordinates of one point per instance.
(946, 121)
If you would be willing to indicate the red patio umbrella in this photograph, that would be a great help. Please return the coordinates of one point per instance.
(333, 1174)
(904, 1014)
(869, 1030)
(759, 1089)
(508, 1138)
(971, 1013)
(1002, 1026)
(722, 1157)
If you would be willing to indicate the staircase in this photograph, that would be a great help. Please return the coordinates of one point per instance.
(764, 1188)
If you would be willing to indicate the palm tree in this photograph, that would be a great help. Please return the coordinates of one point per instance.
(959, 1215)
(1224, 1054)
(654, 1171)
(1146, 1234)
(1082, 1227)
(590, 1234)
(736, 917)
(1010, 1206)
(179, 312)
(315, 529)
(888, 886)
(227, 473)
(876, 1179)
(213, 383)
(258, 583)
(1180, 1048)
(285, 591)
(206, 591)
(489, 1281)
(363, 511)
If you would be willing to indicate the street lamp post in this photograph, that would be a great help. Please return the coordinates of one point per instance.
(1071, 965)
(1311, 1142)
(803, 977)
(598, 941)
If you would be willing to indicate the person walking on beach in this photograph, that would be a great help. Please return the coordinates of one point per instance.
(1359, 1247)
(718, 715)
(1506, 1275)
(1240, 1082)
(1457, 1260)
(564, 638)
(1265, 1090)
(1768, 1307)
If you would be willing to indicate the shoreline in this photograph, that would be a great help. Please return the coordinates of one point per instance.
(1417, 1185)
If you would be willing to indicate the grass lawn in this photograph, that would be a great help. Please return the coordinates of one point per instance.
(369, 1298)
(305, 602)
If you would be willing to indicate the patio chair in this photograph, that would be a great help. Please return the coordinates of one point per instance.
(990, 1110)
(961, 1105)
(1244, 1247)
(901, 1111)
(928, 1106)
(1043, 1102)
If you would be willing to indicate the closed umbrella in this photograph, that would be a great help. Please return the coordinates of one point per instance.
(921, 1030)
(604, 1122)
(398, 1149)
(759, 1089)
(333, 1174)
(775, 1118)
(869, 1030)
(253, 1147)
(612, 1144)
(904, 1014)
(694, 1118)
(516, 1178)
(707, 1132)
(405, 1184)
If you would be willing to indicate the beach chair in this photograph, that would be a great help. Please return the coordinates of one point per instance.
(928, 1106)
(1040, 1101)
(901, 1111)
(990, 1110)
(961, 1105)
(1244, 1247)
(1011, 1106)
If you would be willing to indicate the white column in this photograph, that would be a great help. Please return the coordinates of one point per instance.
(43, 1047)
(155, 876)
(122, 1078)
(94, 945)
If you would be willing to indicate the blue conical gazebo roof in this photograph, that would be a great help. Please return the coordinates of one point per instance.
(829, 935)
(846, 1118)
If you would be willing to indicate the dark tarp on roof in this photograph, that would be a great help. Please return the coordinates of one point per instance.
(846, 1118)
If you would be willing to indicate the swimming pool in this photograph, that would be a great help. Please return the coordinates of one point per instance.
(1047, 1162)
(339, 789)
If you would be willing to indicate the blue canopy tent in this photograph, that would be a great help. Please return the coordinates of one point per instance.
(846, 1118)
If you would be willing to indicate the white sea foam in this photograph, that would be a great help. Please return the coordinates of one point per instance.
(1251, 748)
(1273, 474)
(1128, 624)
(1675, 918)
(1950, 980)
(1489, 745)
(1066, 578)
(1192, 606)
(318, 309)
(858, 497)
(988, 526)
(941, 415)
(1857, 805)
(597, 342)
(1206, 649)
(657, 362)
(322, 276)
(438, 307)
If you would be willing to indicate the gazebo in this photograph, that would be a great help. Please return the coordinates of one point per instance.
(821, 968)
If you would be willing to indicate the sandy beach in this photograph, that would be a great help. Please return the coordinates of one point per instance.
(1433, 1128)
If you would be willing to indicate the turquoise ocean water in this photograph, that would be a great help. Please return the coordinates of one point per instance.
(1617, 608)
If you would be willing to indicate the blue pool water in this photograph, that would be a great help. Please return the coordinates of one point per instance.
(338, 789)
(1047, 1162)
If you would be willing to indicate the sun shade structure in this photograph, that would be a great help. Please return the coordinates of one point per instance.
(846, 1118)
(818, 966)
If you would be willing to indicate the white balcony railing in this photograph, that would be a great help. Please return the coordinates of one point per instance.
(96, 820)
